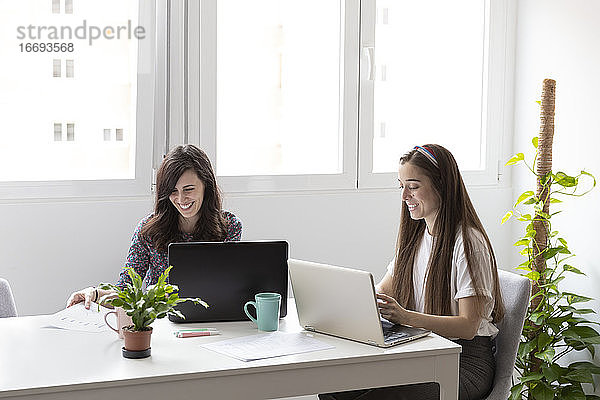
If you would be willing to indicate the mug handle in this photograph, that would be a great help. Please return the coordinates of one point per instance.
(105, 320)
(250, 303)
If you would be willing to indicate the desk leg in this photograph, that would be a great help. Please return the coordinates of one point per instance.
(446, 372)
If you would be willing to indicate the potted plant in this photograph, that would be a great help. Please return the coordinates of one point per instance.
(144, 307)
(555, 323)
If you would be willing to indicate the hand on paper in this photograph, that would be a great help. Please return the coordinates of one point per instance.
(83, 295)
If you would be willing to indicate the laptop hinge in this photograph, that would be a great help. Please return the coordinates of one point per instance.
(309, 328)
(372, 342)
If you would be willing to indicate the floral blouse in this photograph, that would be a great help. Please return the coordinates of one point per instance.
(150, 263)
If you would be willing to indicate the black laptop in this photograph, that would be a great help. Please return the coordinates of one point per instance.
(226, 275)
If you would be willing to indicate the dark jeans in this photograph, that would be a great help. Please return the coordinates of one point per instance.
(476, 377)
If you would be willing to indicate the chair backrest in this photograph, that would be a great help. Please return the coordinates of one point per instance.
(515, 290)
(7, 302)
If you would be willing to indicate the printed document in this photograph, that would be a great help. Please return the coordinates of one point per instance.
(77, 318)
(267, 345)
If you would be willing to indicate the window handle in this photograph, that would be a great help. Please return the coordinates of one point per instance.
(369, 52)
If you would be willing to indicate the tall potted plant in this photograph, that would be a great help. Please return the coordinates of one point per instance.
(144, 307)
(555, 324)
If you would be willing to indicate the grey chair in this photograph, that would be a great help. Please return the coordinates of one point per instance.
(7, 302)
(515, 292)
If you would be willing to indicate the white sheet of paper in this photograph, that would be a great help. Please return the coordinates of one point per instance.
(77, 318)
(267, 345)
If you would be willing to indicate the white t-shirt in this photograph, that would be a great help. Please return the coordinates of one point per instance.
(461, 285)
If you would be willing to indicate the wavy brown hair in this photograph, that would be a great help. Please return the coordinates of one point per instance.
(456, 213)
(163, 227)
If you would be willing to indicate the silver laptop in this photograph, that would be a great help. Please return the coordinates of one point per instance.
(341, 302)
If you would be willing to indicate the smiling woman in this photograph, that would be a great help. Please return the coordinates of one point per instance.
(187, 208)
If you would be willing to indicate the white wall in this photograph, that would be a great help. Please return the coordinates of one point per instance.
(50, 249)
(561, 40)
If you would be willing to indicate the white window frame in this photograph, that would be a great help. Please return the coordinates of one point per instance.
(208, 114)
(497, 92)
(191, 115)
(147, 88)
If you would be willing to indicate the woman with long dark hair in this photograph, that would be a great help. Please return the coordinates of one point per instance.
(187, 208)
(443, 276)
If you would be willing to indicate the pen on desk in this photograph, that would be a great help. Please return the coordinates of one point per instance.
(196, 333)
(176, 332)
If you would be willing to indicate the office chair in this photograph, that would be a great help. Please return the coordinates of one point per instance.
(515, 293)
(7, 302)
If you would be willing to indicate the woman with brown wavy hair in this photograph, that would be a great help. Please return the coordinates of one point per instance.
(444, 274)
(187, 208)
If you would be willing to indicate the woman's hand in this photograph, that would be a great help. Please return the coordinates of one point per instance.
(86, 296)
(391, 310)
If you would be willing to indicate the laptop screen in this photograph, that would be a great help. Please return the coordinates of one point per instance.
(226, 275)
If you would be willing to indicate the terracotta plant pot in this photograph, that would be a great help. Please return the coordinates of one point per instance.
(136, 341)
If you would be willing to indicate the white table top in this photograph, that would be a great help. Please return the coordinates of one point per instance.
(34, 359)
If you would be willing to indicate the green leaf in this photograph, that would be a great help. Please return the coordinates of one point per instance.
(524, 196)
(532, 377)
(524, 217)
(564, 180)
(543, 340)
(532, 200)
(546, 355)
(580, 375)
(583, 334)
(534, 141)
(551, 252)
(506, 217)
(526, 347)
(522, 242)
(586, 365)
(515, 159)
(574, 298)
(542, 392)
(572, 393)
(533, 275)
(570, 268)
(515, 392)
(553, 372)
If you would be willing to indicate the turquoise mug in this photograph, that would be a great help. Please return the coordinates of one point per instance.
(267, 311)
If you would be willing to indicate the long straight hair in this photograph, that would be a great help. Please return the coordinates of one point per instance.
(456, 212)
(163, 227)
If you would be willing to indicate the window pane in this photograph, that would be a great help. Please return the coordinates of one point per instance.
(278, 87)
(56, 66)
(32, 100)
(70, 132)
(428, 79)
(57, 132)
(70, 69)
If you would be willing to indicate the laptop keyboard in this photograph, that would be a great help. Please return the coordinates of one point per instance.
(392, 333)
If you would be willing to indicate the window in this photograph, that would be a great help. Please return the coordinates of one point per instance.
(70, 132)
(285, 101)
(57, 132)
(119, 135)
(69, 65)
(56, 67)
(427, 79)
(280, 103)
(107, 135)
(115, 85)
(268, 117)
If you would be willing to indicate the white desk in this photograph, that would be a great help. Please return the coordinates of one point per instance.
(42, 363)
